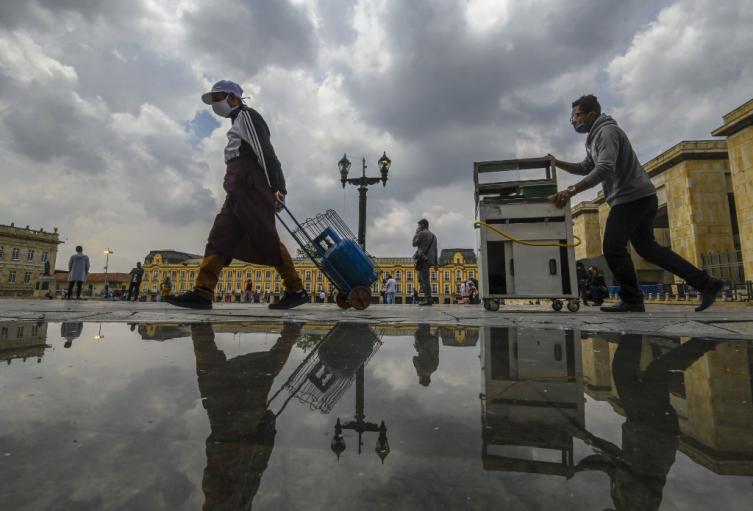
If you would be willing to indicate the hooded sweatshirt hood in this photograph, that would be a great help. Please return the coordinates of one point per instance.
(611, 161)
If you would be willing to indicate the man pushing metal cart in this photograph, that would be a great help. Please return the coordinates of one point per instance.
(525, 242)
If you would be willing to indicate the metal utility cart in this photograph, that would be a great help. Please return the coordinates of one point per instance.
(525, 242)
(330, 244)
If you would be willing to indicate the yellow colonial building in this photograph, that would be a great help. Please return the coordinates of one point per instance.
(25, 256)
(456, 265)
(705, 205)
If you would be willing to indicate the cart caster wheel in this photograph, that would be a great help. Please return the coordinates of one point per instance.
(342, 301)
(359, 297)
(557, 305)
(573, 305)
(491, 305)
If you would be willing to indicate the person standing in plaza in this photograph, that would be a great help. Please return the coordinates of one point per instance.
(136, 275)
(249, 291)
(611, 161)
(425, 257)
(389, 289)
(165, 288)
(78, 271)
(245, 227)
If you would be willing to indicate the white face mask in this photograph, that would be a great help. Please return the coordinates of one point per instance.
(222, 108)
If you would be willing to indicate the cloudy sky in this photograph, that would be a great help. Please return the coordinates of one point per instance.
(103, 135)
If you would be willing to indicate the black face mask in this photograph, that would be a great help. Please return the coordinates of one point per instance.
(583, 127)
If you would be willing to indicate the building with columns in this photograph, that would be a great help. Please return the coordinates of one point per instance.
(705, 205)
(456, 265)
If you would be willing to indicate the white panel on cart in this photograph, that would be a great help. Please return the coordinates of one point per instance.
(532, 270)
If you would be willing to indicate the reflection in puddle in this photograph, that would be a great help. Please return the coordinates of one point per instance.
(276, 415)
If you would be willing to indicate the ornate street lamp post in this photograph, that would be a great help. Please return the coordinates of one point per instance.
(363, 184)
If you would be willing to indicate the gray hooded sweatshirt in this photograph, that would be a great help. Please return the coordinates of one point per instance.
(611, 161)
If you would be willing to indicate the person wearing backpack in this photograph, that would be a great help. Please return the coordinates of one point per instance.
(425, 257)
(245, 227)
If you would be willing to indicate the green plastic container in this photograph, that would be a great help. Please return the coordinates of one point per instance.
(538, 191)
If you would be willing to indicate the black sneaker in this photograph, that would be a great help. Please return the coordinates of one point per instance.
(708, 295)
(190, 300)
(624, 307)
(290, 300)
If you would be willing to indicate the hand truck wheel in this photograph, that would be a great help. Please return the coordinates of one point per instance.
(342, 301)
(359, 297)
(573, 305)
(557, 305)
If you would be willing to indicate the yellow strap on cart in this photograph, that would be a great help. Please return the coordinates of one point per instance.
(527, 243)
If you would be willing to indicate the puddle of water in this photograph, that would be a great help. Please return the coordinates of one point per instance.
(322, 416)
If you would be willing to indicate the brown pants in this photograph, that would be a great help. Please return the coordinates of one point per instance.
(212, 265)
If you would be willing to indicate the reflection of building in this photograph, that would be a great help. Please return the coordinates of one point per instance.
(712, 398)
(456, 266)
(705, 205)
(22, 340)
(532, 399)
(458, 335)
(24, 254)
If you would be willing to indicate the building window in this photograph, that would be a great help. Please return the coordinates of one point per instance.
(174, 276)
(34, 330)
(15, 254)
(3, 333)
(434, 288)
(30, 255)
(2, 251)
(267, 275)
(192, 276)
(471, 274)
(409, 275)
(266, 286)
(182, 286)
(446, 289)
(397, 288)
(434, 276)
(319, 275)
(398, 274)
(319, 287)
(12, 277)
(27, 277)
(308, 286)
(248, 275)
(459, 275)
(447, 275)
(155, 275)
(308, 275)
(410, 287)
(228, 287)
(238, 275)
(164, 275)
(258, 274)
(183, 275)
(457, 289)
(238, 285)
(19, 332)
(45, 256)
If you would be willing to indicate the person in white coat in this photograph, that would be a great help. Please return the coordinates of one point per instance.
(78, 270)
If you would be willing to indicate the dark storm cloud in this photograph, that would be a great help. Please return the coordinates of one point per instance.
(248, 36)
(443, 73)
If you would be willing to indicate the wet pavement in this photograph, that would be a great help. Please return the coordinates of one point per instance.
(314, 415)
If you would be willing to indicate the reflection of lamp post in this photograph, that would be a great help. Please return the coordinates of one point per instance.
(363, 184)
(107, 263)
(360, 426)
(99, 335)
